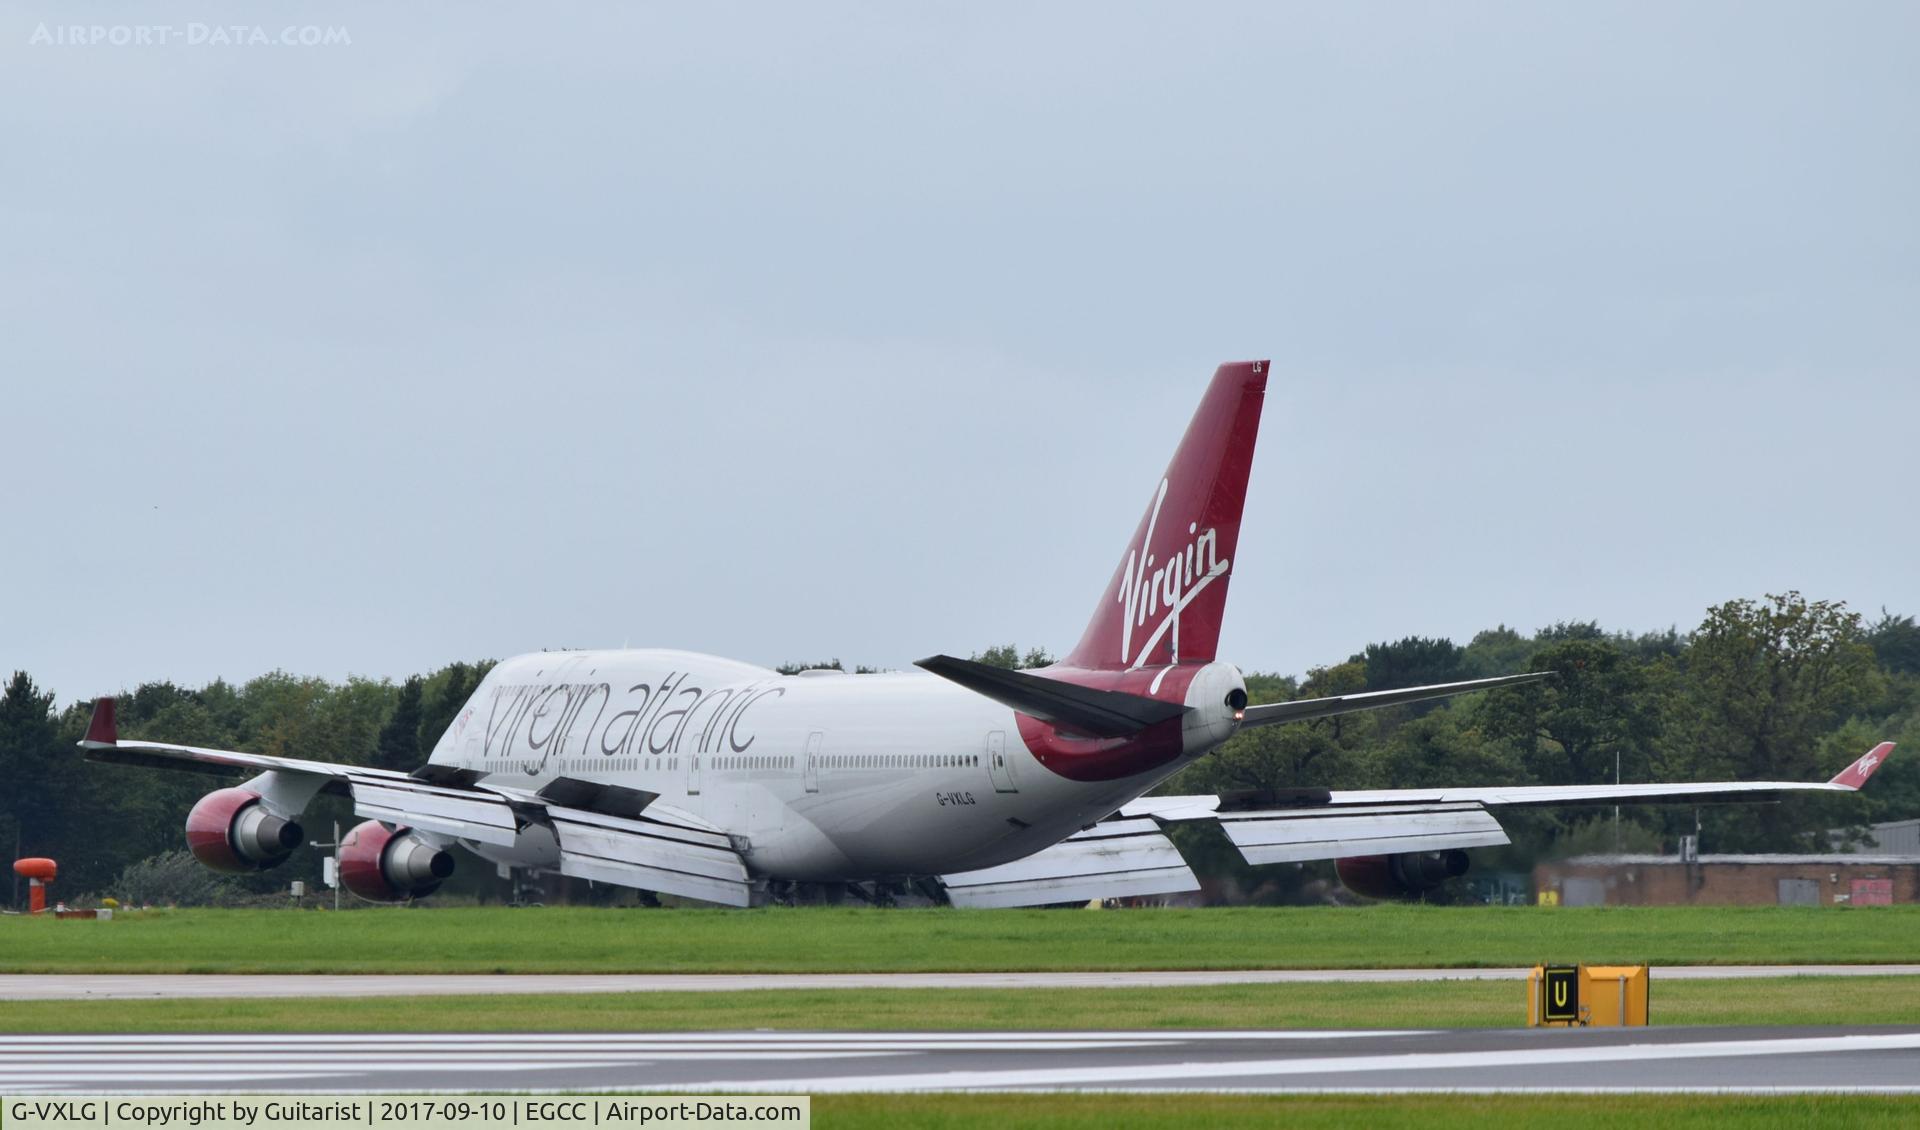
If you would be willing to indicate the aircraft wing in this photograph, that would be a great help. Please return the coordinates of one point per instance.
(606, 833)
(1113, 859)
(1333, 824)
(662, 849)
(467, 813)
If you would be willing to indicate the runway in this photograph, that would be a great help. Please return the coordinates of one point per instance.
(1748, 1060)
(137, 986)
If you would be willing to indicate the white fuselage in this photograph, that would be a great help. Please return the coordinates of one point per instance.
(821, 776)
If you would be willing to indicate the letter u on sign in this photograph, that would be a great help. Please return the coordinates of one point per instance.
(1560, 994)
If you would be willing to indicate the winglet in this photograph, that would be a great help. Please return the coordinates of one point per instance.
(1855, 775)
(102, 732)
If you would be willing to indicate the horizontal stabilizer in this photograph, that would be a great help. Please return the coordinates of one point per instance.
(1300, 710)
(1112, 859)
(1086, 710)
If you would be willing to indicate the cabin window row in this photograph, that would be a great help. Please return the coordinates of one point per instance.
(596, 764)
(899, 760)
(752, 762)
(856, 761)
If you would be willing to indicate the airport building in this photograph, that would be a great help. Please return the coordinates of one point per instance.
(1831, 879)
(1897, 837)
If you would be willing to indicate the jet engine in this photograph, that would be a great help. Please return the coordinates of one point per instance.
(230, 830)
(1404, 876)
(382, 864)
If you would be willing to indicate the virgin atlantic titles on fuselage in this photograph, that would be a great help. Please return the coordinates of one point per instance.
(720, 780)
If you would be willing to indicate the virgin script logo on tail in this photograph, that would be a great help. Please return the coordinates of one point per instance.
(1169, 588)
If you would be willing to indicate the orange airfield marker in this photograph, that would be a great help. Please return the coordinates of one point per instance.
(38, 873)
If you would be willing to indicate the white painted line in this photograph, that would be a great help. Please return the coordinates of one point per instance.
(509, 1056)
(450, 1061)
(1575, 1089)
(342, 1067)
(115, 1067)
(1323, 1065)
(468, 1040)
(256, 1052)
(164, 1076)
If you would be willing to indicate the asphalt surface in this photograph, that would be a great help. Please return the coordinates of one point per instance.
(1758, 1060)
(116, 986)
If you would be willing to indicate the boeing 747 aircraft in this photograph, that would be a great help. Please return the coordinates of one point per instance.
(724, 781)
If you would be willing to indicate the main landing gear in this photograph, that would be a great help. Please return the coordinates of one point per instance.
(873, 894)
(876, 892)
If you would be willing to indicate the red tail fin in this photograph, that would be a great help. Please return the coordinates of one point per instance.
(1166, 601)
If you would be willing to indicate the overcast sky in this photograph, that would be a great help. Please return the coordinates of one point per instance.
(797, 331)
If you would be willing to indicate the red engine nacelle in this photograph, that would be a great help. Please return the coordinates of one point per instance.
(230, 830)
(1407, 875)
(382, 864)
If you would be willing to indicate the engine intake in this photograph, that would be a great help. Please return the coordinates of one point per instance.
(230, 830)
(1403, 876)
(382, 864)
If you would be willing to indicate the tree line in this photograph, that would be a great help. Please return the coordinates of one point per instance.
(1779, 688)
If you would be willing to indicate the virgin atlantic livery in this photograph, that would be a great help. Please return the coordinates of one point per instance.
(723, 781)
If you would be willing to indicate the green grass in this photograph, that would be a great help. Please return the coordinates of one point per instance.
(583, 940)
(1439, 1004)
(1391, 1112)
